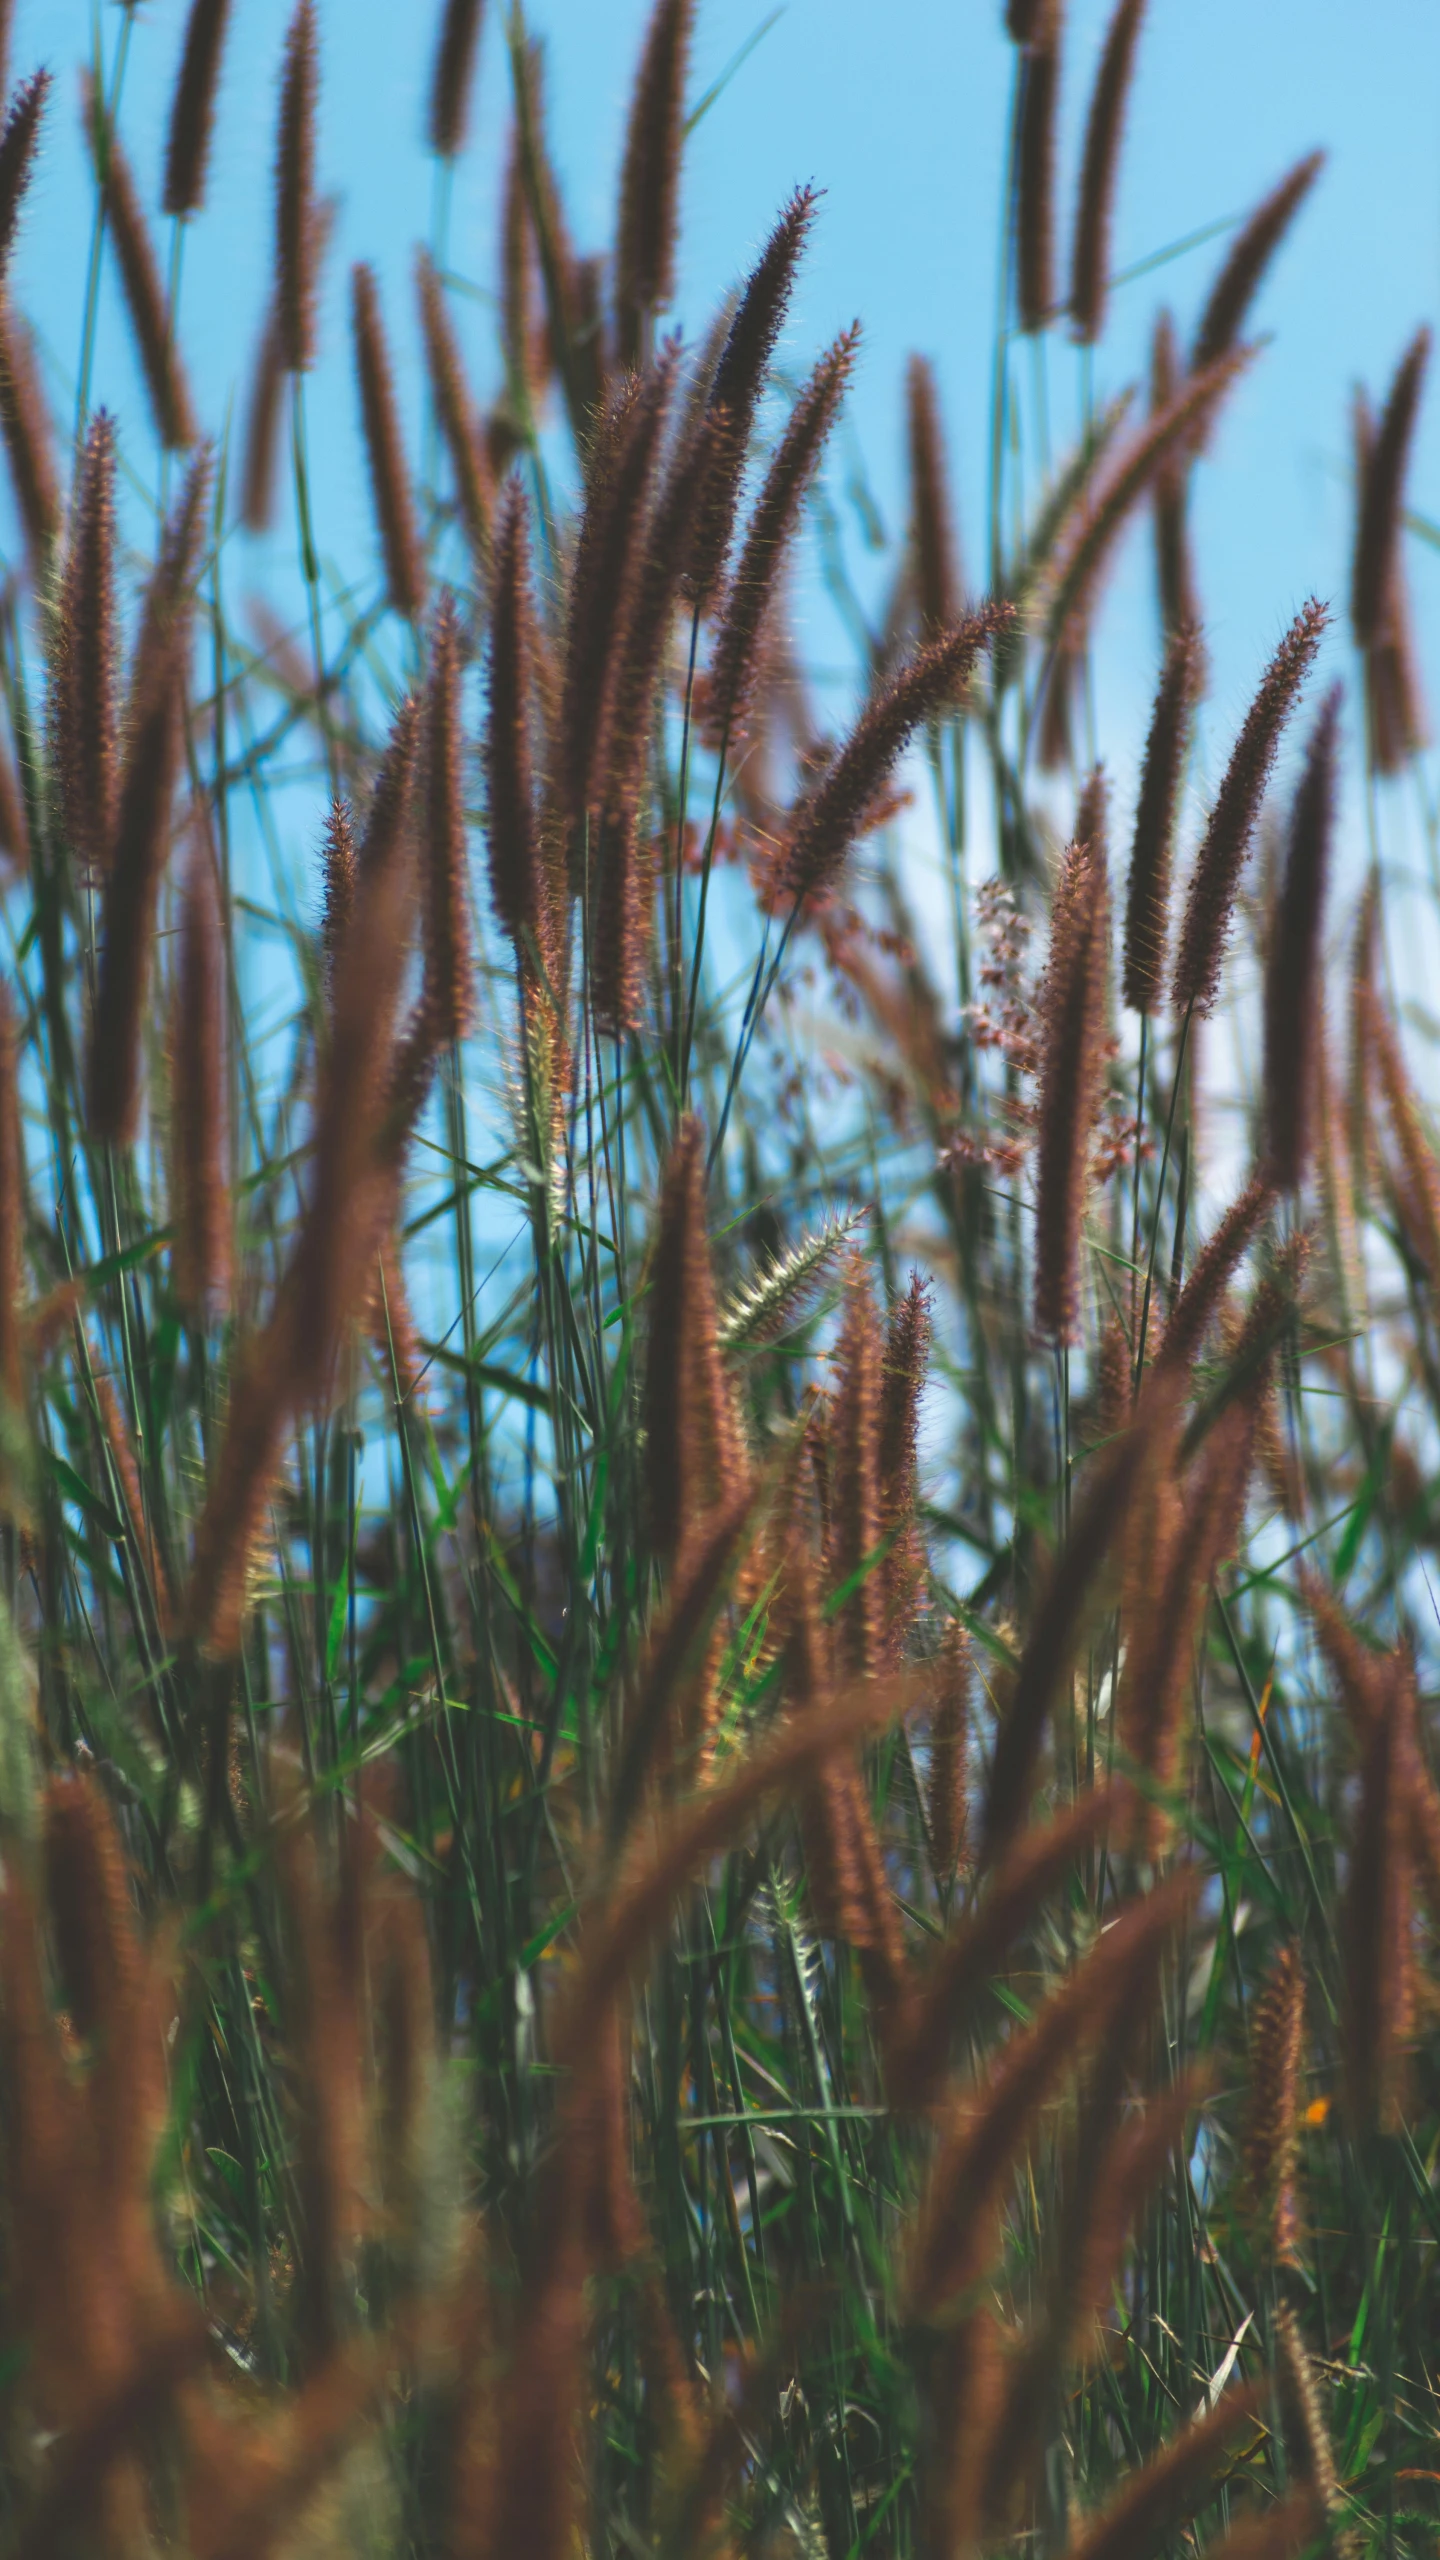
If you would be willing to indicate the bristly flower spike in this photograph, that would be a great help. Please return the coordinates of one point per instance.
(1272, 2133)
(385, 453)
(449, 956)
(297, 246)
(29, 436)
(1215, 880)
(1174, 568)
(832, 813)
(1094, 211)
(735, 392)
(17, 155)
(1147, 899)
(1035, 169)
(454, 411)
(85, 708)
(197, 1096)
(151, 320)
(338, 872)
(1294, 1010)
(938, 587)
(902, 1381)
(694, 1457)
(777, 511)
(1073, 1014)
(453, 77)
(650, 175)
(512, 832)
(1377, 532)
(192, 110)
(1244, 268)
(855, 1518)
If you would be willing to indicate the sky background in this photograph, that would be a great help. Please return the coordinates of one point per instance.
(897, 109)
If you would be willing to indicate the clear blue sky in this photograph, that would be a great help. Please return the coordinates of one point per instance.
(897, 109)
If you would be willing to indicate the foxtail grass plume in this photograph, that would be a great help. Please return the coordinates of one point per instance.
(1248, 259)
(1411, 1170)
(735, 391)
(192, 108)
(84, 702)
(694, 1454)
(17, 155)
(1394, 707)
(142, 827)
(453, 77)
(1174, 566)
(1073, 1014)
(771, 531)
(1035, 168)
(12, 1210)
(1099, 169)
(902, 1380)
(1377, 533)
(938, 586)
(14, 825)
(1172, 2482)
(146, 1561)
(151, 320)
(512, 831)
(1210, 1275)
(455, 414)
(384, 449)
(297, 245)
(559, 267)
(650, 175)
(524, 329)
(201, 1197)
(1215, 880)
(260, 448)
(29, 436)
(1272, 2132)
(608, 554)
(449, 953)
(1294, 995)
(1147, 896)
(337, 862)
(826, 821)
(855, 1517)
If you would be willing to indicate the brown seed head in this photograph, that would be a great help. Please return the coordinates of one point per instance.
(735, 390)
(1294, 1025)
(29, 436)
(1250, 254)
(1073, 1010)
(1034, 214)
(17, 155)
(198, 1097)
(449, 955)
(297, 248)
(772, 529)
(833, 811)
(902, 1381)
(932, 523)
(455, 413)
(694, 1455)
(1147, 900)
(84, 699)
(650, 174)
(384, 448)
(1215, 880)
(1153, 2497)
(524, 329)
(453, 77)
(1174, 567)
(1094, 210)
(1277, 2044)
(338, 871)
(608, 556)
(511, 828)
(91, 1910)
(261, 451)
(192, 109)
(1211, 1273)
(151, 321)
(1377, 531)
(855, 1489)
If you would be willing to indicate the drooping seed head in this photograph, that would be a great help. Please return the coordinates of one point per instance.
(1094, 210)
(455, 414)
(29, 435)
(1377, 531)
(384, 448)
(1250, 254)
(151, 321)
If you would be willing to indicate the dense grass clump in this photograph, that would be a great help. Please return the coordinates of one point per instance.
(606, 1944)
